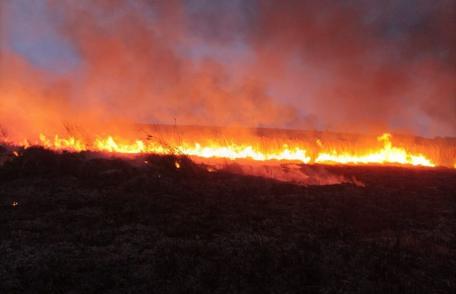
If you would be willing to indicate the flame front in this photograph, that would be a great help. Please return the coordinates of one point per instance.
(385, 153)
(388, 154)
(231, 151)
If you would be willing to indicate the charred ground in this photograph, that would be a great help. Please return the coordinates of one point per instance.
(78, 223)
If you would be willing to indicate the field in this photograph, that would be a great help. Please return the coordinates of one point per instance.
(77, 223)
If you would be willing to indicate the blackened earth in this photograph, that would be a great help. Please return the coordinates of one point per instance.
(77, 223)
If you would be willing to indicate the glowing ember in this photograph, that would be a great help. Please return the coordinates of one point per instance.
(387, 153)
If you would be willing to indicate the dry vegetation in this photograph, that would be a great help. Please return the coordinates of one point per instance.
(77, 223)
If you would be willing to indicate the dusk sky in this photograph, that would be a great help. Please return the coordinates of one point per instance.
(355, 65)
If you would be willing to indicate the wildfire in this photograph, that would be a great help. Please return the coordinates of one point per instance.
(387, 153)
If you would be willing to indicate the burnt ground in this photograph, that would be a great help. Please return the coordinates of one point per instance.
(70, 223)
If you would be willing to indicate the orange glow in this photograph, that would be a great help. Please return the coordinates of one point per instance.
(384, 153)
(215, 150)
(387, 154)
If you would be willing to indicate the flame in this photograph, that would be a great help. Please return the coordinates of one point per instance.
(58, 143)
(232, 151)
(386, 154)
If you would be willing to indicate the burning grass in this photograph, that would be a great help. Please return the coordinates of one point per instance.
(262, 145)
(290, 156)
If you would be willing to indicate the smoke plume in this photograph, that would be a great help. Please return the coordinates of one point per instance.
(358, 66)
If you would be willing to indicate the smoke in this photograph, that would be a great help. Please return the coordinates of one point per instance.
(363, 65)
(360, 66)
(296, 174)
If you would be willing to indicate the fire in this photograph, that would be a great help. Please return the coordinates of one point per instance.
(387, 153)
(245, 152)
(58, 143)
(215, 150)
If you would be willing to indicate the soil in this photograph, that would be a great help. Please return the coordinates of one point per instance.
(78, 223)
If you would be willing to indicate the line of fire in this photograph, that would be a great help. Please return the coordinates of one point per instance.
(266, 145)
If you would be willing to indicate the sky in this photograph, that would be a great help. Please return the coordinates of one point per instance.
(355, 65)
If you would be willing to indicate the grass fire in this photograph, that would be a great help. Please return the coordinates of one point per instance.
(227, 146)
(259, 145)
(386, 153)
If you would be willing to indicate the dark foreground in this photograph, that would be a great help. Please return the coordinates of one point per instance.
(73, 225)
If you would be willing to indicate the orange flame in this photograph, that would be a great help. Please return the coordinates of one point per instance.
(386, 154)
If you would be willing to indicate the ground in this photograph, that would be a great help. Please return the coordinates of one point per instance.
(74, 223)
